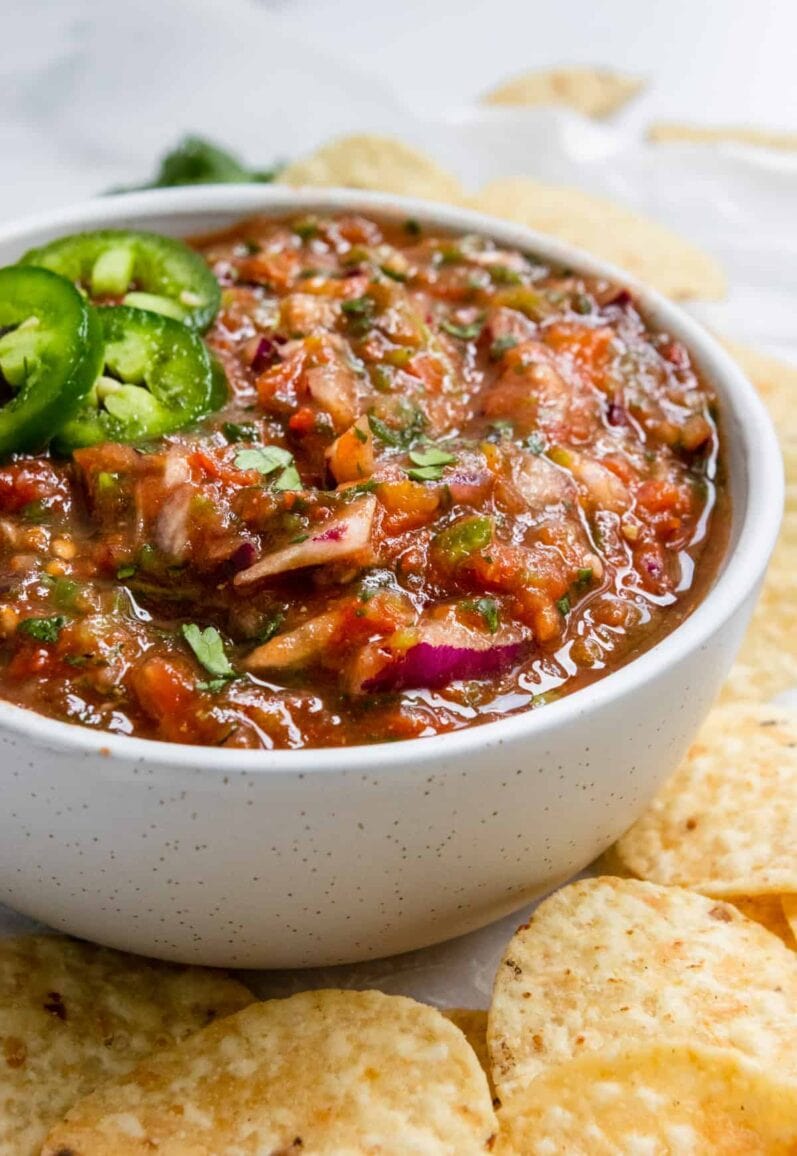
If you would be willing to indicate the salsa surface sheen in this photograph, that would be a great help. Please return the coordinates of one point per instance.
(450, 483)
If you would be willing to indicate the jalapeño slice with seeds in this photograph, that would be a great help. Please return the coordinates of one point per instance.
(144, 270)
(50, 354)
(156, 377)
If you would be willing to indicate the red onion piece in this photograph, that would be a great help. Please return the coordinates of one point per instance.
(429, 665)
(266, 354)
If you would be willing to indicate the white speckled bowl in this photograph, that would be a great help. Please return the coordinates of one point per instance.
(298, 858)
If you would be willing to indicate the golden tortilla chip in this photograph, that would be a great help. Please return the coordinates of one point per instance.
(775, 380)
(768, 910)
(73, 1015)
(767, 662)
(652, 1100)
(674, 132)
(726, 822)
(789, 905)
(378, 163)
(472, 1022)
(607, 961)
(643, 247)
(320, 1073)
(595, 92)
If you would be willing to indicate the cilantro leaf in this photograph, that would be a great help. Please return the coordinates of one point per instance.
(246, 432)
(431, 456)
(208, 649)
(270, 627)
(289, 479)
(358, 306)
(488, 609)
(197, 161)
(264, 459)
(501, 345)
(463, 332)
(426, 474)
(43, 629)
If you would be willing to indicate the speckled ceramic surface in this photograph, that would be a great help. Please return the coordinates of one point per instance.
(306, 858)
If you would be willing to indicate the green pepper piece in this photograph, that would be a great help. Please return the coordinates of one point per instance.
(157, 377)
(463, 538)
(50, 354)
(158, 273)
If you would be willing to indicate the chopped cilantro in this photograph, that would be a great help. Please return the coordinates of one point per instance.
(354, 491)
(359, 312)
(429, 463)
(563, 605)
(289, 479)
(35, 512)
(412, 227)
(299, 538)
(265, 459)
(488, 608)
(270, 626)
(426, 474)
(360, 434)
(431, 456)
(43, 629)
(239, 433)
(582, 304)
(358, 306)
(125, 572)
(393, 274)
(401, 437)
(213, 685)
(501, 275)
(500, 346)
(448, 255)
(64, 593)
(463, 332)
(305, 230)
(583, 577)
(208, 649)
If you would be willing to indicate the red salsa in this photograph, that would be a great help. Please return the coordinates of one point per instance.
(450, 483)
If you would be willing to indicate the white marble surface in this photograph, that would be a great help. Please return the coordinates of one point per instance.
(93, 90)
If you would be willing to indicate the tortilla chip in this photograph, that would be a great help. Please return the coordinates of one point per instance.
(726, 822)
(637, 244)
(378, 163)
(595, 92)
(322, 1072)
(789, 905)
(73, 1015)
(652, 1099)
(768, 910)
(607, 961)
(674, 132)
(767, 662)
(472, 1022)
(775, 380)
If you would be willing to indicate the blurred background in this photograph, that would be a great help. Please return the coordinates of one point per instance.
(93, 90)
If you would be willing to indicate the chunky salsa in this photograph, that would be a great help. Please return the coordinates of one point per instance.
(444, 483)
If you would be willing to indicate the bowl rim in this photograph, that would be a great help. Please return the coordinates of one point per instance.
(741, 569)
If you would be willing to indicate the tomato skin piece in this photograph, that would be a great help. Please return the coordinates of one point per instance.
(52, 355)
